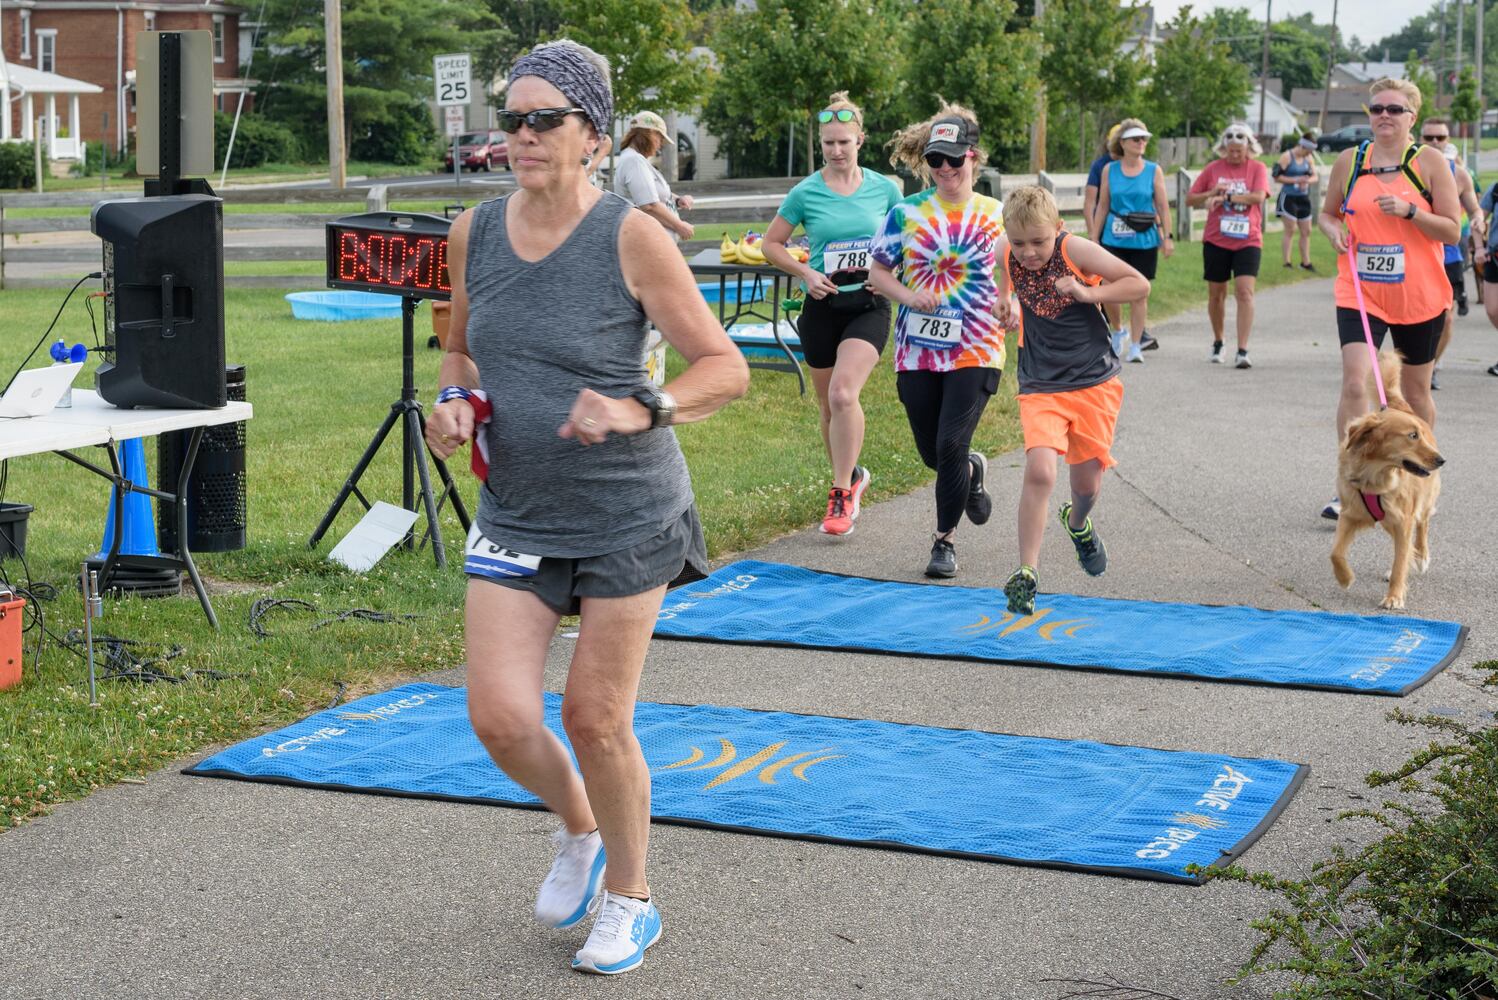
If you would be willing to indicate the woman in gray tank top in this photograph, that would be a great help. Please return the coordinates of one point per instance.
(587, 506)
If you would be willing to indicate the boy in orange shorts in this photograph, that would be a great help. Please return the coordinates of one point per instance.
(1051, 287)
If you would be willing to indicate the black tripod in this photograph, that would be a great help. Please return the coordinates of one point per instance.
(414, 456)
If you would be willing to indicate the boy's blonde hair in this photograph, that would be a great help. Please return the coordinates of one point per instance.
(1031, 205)
(1409, 90)
(908, 147)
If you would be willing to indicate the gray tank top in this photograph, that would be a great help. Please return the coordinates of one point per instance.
(540, 333)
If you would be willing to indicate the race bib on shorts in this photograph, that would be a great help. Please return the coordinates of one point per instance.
(1381, 263)
(939, 330)
(1119, 227)
(1233, 226)
(846, 255)
(482, 557)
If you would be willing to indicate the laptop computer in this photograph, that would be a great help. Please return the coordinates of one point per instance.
(35, 391)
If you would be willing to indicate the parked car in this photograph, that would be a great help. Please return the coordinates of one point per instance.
(480, 151)
(686, 157)
(1343, 138)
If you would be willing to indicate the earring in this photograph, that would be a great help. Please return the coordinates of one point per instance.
(587, 158)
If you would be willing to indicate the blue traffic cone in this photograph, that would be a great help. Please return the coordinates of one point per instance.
(137, 527)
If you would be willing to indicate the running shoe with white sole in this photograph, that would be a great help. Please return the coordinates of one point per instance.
(1136, 354)
(1242, 360)
(1147, 342)
(625, 928)
(979, 503)
(1216, 357)
(1333, 510)
(1118, 338)
(943, 564)
(575, 879)
(839, 519)
(860, 485)
(1091, 552)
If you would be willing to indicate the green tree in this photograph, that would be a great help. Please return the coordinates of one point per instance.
(1416, 72)
(968, 51)
(1085, 65)
(1196, 85)
(1464, 105)
(648, 46)
(1297, 45)
(779, 62)
(387, 68)
(525, 22)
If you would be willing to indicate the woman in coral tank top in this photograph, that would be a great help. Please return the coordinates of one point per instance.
(1397, 213)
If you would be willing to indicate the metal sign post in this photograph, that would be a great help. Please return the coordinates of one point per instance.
(451, 76)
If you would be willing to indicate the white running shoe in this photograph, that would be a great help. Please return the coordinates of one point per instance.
(1120, 336)
(1216, 357)
(624, 929)
(1136, 354)
(575, 879)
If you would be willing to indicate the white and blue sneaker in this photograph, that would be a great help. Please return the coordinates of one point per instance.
(575, 879)
(1117, 339)
(625, 928)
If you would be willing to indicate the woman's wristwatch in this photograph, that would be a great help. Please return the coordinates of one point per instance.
(1411, 213)
(660, 403)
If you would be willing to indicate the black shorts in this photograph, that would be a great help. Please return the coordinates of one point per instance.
(1219, 263)
(1294, 206)
(677, 555)
(1454, 272)
(826, 322)
(1490, 271)
(1143, 261)
(1415, 342)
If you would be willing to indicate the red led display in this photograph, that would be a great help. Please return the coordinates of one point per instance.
(389, 252)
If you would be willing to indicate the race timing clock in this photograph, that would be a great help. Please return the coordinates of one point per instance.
(391, 252)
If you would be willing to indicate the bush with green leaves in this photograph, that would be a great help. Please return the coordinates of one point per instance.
(18, 164)
(1415, 913)
(257, 141)
(404, 134)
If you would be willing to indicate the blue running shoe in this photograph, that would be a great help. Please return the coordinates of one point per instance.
(625, 928)
(574, 882)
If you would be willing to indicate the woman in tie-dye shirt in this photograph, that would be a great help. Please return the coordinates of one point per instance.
(934, 256)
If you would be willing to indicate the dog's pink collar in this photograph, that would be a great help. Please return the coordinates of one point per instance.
(1374, 504)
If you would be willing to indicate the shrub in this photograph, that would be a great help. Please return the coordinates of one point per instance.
(405, 134)
(18, 164)
(258, 141)
(1414, 914)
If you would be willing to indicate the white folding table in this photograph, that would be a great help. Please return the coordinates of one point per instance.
(92, 421)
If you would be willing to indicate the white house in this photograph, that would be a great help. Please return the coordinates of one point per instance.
(1280, 116)
(29, 86)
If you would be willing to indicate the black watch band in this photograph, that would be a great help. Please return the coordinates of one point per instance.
(660, 403)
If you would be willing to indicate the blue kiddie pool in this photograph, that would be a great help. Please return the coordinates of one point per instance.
(336, 306)
(709, 291)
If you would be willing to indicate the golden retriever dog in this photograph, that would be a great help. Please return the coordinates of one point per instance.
(1388, 475)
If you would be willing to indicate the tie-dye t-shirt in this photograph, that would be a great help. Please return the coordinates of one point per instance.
(930, 243)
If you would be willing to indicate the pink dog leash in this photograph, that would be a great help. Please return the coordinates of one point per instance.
(1357, 287)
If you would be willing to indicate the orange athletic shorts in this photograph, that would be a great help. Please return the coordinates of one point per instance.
(1078, 424)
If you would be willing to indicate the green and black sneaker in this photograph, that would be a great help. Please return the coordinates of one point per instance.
(1020, 589)
(1091, 552)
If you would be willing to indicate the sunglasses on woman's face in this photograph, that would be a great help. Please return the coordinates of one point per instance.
(540, 120)
(1387, 109)
(841, 114)
(1235, 137)
(937, 160)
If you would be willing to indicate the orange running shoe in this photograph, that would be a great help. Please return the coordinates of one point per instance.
(839, 519)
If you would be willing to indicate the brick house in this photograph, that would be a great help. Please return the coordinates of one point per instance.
(94, 41)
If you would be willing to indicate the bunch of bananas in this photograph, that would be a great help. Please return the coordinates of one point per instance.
(748, 250)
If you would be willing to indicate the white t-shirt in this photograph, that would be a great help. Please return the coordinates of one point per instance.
(638, 182)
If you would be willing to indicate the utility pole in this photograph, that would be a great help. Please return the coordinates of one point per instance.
(1461, 16)
(1441, 57)
(1477, 59)
(333, 24)
(1331, 58)
(1264, 69)
(1037, 127)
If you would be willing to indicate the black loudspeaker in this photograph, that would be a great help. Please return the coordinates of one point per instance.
(164, 301)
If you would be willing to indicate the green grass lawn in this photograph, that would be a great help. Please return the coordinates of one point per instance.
(320, 390)
(267, 173)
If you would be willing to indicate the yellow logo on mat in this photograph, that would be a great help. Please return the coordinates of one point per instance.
(799, 763)
(361, 716)
(1199, 820)
(1011, 623)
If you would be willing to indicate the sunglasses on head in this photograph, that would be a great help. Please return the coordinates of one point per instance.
(937, 160)
(1435, 138)
(1388, 109)
(540, 120)
(841, 114)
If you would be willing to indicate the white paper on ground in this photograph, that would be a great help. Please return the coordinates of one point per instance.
(382, 527)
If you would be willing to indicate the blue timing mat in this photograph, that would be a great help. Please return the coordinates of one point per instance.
(1096, 807)
(770, 604)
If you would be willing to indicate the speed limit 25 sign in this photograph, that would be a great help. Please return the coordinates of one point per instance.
(452, 78)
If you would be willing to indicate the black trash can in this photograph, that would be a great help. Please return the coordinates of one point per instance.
(13, 520)
(217, 509)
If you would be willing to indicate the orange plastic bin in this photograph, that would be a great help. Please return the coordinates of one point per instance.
(10, 641)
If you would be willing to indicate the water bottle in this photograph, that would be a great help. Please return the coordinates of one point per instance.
(62, 355)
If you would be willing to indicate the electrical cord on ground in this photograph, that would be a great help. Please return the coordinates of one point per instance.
(46, 336)
(134, 660)
(265, 605)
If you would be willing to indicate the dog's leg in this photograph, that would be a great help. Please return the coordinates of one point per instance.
(1422, 541)
(1404, 542)
(1346, 531)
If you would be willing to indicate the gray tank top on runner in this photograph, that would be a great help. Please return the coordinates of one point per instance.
(540, 333)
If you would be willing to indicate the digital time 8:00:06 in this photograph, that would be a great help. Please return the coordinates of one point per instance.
(409, 263)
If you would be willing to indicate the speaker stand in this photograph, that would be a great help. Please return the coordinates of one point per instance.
(408, 413)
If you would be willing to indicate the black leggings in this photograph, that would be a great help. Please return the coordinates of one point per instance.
(943, 409)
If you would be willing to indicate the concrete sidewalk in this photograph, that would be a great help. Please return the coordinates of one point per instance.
(191, 887)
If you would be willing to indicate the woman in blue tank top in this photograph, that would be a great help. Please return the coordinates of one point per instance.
(1135, 225)
(587, 507)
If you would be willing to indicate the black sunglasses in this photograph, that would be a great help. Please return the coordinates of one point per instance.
(540, 120)
(1435, 138)
(1389, 109)
(936, 160)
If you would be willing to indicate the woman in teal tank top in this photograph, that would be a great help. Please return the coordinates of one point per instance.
(1135, 226)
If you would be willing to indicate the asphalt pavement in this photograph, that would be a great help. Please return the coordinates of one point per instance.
(193, 887)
